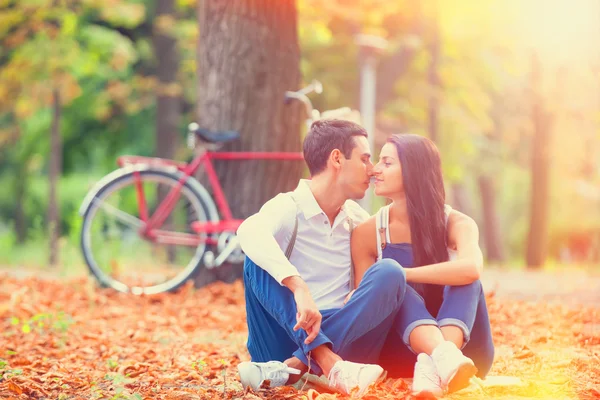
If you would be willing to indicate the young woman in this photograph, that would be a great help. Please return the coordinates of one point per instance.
(442, 328)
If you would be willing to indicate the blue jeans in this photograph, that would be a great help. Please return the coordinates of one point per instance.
(356, 332)
(462, 306)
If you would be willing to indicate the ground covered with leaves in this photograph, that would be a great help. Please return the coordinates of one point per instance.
(70, 340)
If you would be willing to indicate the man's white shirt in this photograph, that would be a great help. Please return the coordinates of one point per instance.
(321, 255)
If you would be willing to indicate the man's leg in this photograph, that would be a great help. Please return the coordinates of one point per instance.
(271, 315)
(279, 303)
(358, 329)
(267, 340)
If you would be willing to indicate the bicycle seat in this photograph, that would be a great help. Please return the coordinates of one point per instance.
(214, 137)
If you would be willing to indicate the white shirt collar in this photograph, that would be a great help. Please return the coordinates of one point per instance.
(307, 202)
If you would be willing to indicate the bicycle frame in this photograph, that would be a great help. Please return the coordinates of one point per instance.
(204, 158)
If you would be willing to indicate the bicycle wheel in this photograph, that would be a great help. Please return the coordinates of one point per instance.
(121, 257)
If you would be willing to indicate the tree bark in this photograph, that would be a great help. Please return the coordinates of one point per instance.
(491, 224)
(248, 57)
(433, 77)
(537, 242)
(168, 100)
(54, 175)
(20, 217)
(461, 200)
(489, 169)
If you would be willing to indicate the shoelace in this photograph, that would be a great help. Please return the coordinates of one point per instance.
(430, 374)
(273, 370)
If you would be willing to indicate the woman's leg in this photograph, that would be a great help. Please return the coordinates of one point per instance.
(457, 313)
(480, 348)
(463, 319)
(421, 334)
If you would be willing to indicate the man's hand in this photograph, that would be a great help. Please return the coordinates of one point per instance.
(348, 297)
(308, 316)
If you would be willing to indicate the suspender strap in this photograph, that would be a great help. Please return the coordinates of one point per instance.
(351, 226)
(290, 248)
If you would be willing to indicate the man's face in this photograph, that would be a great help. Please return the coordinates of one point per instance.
(355, 173)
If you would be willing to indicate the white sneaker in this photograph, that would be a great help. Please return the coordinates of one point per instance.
(346, 375)
(426, 381)
(455, 370)
(253, 374)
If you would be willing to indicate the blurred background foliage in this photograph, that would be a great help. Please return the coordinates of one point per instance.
(480, 78)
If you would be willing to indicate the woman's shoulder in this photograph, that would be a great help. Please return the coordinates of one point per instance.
(460, 222)
(364, 236)
(367, 226)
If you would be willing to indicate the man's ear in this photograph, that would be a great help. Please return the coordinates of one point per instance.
(335, 158)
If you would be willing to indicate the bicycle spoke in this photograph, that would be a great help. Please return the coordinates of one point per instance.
(121, 215)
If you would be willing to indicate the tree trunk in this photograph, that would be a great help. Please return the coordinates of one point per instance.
(538, 227)
(248, 57)
(491, 225)
(461, 200)
(54, 175)
(168, 101)
(488, 171)
(20, 217)
(168, 98)
(433, 78)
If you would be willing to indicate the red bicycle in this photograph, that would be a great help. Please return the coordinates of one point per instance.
(150, 225)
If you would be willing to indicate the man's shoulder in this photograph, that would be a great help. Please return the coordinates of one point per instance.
(282, 207)
(355, 211)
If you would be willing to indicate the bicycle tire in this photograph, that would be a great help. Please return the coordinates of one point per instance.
(116, 181)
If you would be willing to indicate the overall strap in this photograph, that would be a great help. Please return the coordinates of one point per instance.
(381, 226)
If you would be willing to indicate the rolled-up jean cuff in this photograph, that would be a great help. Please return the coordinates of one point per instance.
(321, 339)
(412, 326)
(458, 323)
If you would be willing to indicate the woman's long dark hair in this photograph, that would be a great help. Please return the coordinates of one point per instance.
(425, 199)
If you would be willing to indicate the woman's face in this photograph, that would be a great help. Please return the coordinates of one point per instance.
(388, 172)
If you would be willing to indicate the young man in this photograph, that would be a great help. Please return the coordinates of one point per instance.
(296, 307)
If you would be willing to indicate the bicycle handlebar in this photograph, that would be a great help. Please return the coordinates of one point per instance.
(314, 86)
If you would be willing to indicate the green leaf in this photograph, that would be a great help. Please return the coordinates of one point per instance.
(26, 328)
(14, 321)
(69, 24)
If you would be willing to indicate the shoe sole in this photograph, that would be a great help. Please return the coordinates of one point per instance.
(461, 379)
(426, 394)
(376, 382)
(245, 368)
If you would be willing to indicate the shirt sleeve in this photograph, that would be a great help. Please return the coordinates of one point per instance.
(257, 236)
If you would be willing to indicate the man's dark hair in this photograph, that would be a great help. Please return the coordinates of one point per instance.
(325, 136)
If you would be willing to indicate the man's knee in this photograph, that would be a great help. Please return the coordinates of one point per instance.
(388, 274)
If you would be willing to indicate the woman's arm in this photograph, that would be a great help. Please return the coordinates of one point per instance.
(364, 248)
(463, 233)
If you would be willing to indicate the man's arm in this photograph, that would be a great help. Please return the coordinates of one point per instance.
(257, 237)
